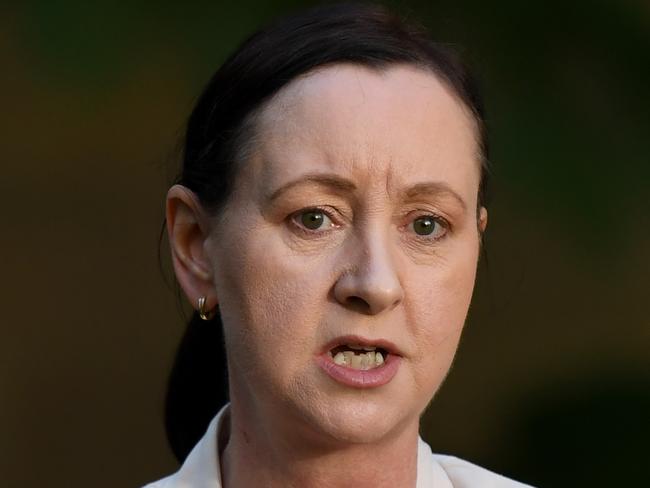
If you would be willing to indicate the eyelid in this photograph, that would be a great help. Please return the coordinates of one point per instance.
(328, 211)
(335, 217)
(413, 216)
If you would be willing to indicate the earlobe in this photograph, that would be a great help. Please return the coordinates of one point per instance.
(482, 219)
(187, 229)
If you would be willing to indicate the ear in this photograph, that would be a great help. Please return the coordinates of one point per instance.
(187, 228)
(482, 219)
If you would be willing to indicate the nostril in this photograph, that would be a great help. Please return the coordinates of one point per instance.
(358, 304)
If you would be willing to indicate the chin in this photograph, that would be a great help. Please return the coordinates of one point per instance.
(357, 417)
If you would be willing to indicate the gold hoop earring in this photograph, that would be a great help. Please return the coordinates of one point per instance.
(203, 313)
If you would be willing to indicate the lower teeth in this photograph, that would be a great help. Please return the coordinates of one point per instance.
(367, 360)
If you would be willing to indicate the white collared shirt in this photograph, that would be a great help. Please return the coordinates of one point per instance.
(201, 468)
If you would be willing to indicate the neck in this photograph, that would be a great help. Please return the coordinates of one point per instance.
(263, 453)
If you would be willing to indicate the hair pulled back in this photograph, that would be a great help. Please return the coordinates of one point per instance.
(222, 124)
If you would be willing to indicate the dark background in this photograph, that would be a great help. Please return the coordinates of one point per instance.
(551, 384)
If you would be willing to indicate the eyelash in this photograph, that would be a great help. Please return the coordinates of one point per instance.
(312, 233)
(441, 221)
(293, 219)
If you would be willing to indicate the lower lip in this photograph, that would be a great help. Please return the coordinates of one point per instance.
(357, 378)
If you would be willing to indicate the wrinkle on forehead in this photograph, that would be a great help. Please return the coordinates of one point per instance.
(379, 124)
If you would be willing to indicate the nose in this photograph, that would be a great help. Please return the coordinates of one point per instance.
(372, 284)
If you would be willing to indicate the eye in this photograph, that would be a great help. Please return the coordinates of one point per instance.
(312, 219)
(430, 226)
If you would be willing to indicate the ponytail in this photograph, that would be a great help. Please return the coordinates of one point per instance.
(198, 384)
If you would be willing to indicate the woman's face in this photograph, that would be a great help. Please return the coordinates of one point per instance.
(353, 223)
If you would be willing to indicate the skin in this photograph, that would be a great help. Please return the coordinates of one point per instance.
(389, 147)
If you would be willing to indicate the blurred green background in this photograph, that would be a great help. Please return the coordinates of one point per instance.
(551, 384)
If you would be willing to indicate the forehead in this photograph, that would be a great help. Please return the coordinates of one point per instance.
(400, 125)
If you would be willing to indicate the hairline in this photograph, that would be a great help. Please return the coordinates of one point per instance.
(248, 132)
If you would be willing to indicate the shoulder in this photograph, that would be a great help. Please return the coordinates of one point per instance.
(201, 467)
(464, 474)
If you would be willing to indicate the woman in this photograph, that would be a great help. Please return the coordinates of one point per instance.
(329, 213)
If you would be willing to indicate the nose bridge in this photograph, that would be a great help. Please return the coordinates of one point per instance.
(373, 280)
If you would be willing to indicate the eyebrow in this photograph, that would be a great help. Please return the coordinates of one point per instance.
(434, 188)
(334, 182)
(343, 185)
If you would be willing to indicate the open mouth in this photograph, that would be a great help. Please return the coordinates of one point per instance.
(359, 357)
(360, 362)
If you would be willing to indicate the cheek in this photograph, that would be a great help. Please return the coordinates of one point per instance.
(438, 301)
(271, 300)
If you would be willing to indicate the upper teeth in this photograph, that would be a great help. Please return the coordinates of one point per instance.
(367, 360)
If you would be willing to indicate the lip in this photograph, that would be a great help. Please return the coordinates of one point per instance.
(362, 341)
(356, 378)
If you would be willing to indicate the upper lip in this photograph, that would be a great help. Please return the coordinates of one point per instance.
(362, 341)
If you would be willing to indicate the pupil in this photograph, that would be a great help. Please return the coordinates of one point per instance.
(424, 225)
(312, 220)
